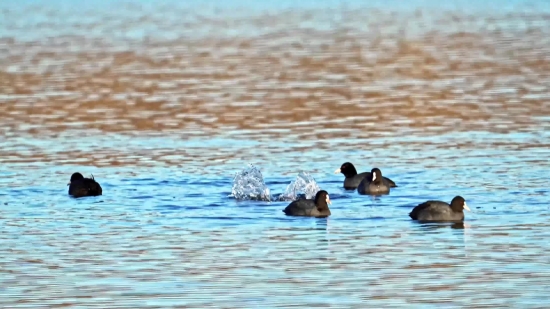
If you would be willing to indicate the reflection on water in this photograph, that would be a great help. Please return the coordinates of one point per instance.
(164, 104)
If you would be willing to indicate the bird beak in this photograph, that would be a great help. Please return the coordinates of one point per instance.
(69, 183)
(337, 171)
(466, 207)
(373, 176)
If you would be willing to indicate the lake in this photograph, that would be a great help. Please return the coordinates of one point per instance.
(165, 102)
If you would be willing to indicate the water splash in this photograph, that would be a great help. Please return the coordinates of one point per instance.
(249, 184)
(303, 186)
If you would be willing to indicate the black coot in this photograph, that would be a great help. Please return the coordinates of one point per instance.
(80, 186)
(317, 207)
(353, 179)
(374, 185)
(440, 211)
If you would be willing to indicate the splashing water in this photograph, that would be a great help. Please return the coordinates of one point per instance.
(249, 184)
(305, 184)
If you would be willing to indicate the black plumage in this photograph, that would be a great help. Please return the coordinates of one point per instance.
(434, 211)
(80, 186)
(317, 207)
(352, 180)
(374, 185)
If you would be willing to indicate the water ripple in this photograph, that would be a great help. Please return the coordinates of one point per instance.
(164, 103)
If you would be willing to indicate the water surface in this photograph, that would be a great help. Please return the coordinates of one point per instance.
(164, 103)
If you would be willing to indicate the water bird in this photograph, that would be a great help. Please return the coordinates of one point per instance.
(374, 185)
(317, 207)
(438, 211)
(352, 180)
(80, 186)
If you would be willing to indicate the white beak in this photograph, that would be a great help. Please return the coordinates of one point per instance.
(328, 200)
(337, 171)
(373, 176)
(466, 207)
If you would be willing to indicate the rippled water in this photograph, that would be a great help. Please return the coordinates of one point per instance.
(164, 103)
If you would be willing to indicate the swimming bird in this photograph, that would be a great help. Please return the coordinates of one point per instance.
(374, 185)
(317, 207)
(434, 211)
(80, 186)
(353, 179)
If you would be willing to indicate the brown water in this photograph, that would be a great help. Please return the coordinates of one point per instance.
(163, 104)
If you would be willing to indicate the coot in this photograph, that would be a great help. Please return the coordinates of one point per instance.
(317, 207)
(80, 186)
(353, 179)
(374, 185)
(440, 211)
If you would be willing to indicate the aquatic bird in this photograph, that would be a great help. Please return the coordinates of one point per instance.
(317, 207)
(353, 179)
(374, 185)
(80, 186)
(440, 211)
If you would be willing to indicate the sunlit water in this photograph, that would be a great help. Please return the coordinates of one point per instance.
(164, 104)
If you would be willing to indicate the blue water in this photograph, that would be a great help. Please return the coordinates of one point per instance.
(167, 234)
(163, 236)
(30, 20)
